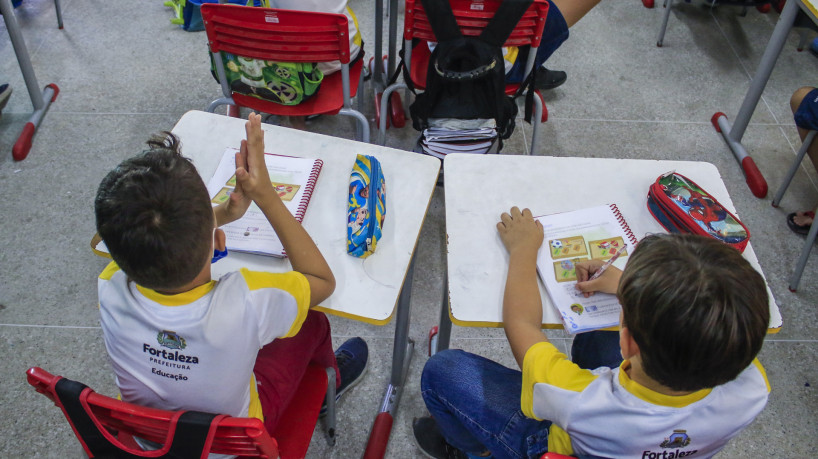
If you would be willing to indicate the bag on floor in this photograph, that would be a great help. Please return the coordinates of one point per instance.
(367, 206)
(681, 206)
(466, 77)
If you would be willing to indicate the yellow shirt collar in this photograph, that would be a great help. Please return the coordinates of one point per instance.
(179, 299)
(650, 396)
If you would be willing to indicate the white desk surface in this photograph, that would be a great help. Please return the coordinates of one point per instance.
(367, 289)
(481, 187)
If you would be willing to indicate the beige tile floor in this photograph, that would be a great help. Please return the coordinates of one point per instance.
(124, 72)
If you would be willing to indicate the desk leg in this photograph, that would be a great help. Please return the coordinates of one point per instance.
(39, 99)
(401, 357)
(393, 37)
(733, 134)
(439, 336)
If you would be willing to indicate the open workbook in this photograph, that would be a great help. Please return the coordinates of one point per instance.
(570, 237)
(293, 179)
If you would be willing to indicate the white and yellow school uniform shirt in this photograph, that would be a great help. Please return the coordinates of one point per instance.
(328, 6)
(604, 413)
(196, 350)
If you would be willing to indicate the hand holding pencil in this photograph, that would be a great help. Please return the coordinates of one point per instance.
(597, 276)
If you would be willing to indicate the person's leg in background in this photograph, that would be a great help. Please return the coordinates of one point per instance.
(595, 349)
(800, 222)
(562, 14)
(475, 408)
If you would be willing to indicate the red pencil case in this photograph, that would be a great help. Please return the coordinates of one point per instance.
(682, 206)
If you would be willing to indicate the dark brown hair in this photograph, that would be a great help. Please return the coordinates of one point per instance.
(695, 307)
(154, 214)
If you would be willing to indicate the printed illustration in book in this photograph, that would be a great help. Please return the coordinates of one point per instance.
(293, 180)
(572, 237)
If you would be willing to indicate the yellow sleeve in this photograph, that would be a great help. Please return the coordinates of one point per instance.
(293, 282)
(543, 363)
(763, 373)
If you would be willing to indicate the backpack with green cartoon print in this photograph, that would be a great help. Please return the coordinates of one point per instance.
(286, 83)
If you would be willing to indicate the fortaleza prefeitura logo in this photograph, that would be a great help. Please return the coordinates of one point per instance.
(170, 340)
(172, 359)
(678, 439)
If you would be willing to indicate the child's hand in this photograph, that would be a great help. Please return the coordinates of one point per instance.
(236, 205)
(519, 231)
(608, 282)
(251, 171)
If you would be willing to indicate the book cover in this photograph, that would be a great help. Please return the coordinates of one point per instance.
(292, 178)
(571, 237)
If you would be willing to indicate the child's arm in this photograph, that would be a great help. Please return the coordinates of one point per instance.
(252, 175)
(522, 236)
(608, 282)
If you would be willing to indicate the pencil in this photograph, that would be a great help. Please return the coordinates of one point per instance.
(608, 263)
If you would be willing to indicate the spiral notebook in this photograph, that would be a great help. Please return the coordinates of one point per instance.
(571, 237)
(293, 179)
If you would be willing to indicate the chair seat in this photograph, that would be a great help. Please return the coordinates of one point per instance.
(294, 433)
(328, 100)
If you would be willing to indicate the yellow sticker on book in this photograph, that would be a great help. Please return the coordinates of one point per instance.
(566, 247)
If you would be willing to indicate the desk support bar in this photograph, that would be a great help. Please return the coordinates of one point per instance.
(440, 335)
(401, 358)
(40, 99)
(733, 134)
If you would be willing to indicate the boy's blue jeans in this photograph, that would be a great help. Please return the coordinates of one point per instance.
(555, 32)
(476, 401)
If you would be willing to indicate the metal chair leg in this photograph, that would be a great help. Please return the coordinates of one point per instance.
(794, 167)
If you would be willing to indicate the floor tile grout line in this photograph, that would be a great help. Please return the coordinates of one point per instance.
(551, 118)
(50, 326)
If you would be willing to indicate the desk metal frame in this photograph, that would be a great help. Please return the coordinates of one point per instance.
(733, 133)
(40, 99)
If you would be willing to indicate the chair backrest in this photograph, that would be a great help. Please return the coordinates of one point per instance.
(277, 35)
(472, 16)
(233, 436)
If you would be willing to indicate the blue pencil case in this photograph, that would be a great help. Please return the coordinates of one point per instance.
(367, 206)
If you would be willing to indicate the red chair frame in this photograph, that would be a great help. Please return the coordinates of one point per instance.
(245, 437)
(287, 36)
(472, 17)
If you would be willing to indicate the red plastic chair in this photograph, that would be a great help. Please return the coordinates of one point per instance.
(471, 20)
(99, 417)
(287, 36)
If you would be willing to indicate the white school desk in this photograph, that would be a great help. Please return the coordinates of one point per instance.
(481, 187)
(732, 134)
(369, 290)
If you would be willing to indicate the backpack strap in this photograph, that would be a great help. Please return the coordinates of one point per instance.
(192, 432)
(441, 18)
(502, 24)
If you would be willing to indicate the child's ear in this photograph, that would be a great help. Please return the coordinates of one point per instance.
(627, 343)
(219, 240)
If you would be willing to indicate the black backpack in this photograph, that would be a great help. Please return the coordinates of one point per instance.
(466, 76)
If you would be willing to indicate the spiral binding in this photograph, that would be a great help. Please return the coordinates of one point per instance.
(623, 224)
(305, 199)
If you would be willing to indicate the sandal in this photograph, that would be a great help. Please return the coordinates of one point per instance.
(795, 227)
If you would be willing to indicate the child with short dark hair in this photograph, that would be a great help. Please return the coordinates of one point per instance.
(178, 339)
(694, 317)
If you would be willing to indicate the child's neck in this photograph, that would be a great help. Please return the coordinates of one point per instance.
(638, 375)
(202, 278)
